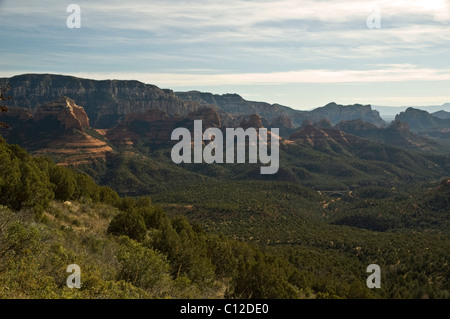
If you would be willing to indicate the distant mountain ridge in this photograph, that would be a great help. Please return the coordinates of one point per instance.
(337, 113)
(388, 113)
(108, 102)
(397, 134)
(420, 120)
(235, 104)
(442, 114)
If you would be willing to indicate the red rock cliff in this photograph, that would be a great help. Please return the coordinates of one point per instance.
(65, 110)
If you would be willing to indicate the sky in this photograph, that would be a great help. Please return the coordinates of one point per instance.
(299, 53)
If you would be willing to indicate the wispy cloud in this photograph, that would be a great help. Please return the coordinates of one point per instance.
(389, 73)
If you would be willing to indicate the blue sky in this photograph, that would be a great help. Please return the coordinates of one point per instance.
(299, 53)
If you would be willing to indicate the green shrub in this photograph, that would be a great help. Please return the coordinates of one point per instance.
(143, 267)
(64, 181)
(129, 223)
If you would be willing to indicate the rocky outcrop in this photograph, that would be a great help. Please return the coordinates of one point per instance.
(282, 121)
(254, 121)
(235, 104)
(66, 112)
(337, 113)
(59, 129)
(397, 134)
(209, 117)
(420, 120)
(155, 127)
(323, 123)
(355, 126)
(149, 116)
(14, 117)
(400, 126)
(320, 137)
(16, 114)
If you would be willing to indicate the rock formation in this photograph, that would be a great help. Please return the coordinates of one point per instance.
(209, 117)
(253, 121)
(105, 102)
(66, 112)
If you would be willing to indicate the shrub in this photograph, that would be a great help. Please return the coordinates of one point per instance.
(143, 267)
(129, 223)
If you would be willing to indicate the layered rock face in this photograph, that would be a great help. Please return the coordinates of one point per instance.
(209, 117)
(106, 102)
(155, 126)
(337, 113)
(420, 120)
(235, 104)
(15, 116)
(282, 121)
(148, 116)
(57, 129)
(315, 136)
(253, 121)
(400, 126)
(66, 112)
(355, 126)
(75, 148)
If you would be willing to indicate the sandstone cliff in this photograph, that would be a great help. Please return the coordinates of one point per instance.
(105, 102)
(155, 127)
(66, 112)
(59, 129)
(235, 104)
(323, 137)
(254, 121)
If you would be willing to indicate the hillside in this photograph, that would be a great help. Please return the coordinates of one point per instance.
(52, 217)
(445, 115)
(331, 237)
(397, 134)
(130, 248)
(336, 113)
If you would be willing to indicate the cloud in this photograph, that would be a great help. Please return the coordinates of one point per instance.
(241, 13)
(241, 42)
(389, 73)
(231, 15)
